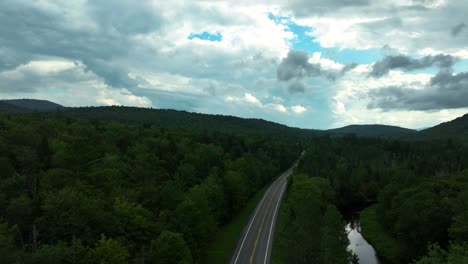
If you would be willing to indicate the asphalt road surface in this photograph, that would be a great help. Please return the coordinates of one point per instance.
(256, 241)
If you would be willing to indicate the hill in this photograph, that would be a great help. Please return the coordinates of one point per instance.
(34, 104)
(374, 131)
(166, 118)
(10, 108)
(457, 129)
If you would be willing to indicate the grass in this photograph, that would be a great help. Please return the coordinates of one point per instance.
(223, 244)
(385, 245)
(280, 225)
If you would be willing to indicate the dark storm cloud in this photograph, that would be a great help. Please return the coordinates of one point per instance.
(34, 32)
(457, 29)
(445, 91)
(297, 65)
(296, 87)
(406, 63)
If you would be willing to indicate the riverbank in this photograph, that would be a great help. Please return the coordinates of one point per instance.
(387, 248)
(358, 244)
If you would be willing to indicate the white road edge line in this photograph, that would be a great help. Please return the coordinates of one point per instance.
(253, 218)
(273, 221)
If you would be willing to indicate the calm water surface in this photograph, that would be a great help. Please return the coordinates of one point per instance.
(358, 244)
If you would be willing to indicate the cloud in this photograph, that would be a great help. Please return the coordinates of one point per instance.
(298, 65)
(298, 109)
(457, 29)
(349, 67)
(408, 26)
(280, 108)
(444, 91)
(64, 81)
(304, 8)
(407, 63)
(248, 101)
(247, 98)
(352, 97)
(296, 87)
(79, 53)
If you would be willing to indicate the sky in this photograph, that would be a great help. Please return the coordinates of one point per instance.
(305, 63)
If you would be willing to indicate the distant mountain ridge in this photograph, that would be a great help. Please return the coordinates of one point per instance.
(10, 108)
(33, 104)
(457, 128)
(374, 131)
(165, 118)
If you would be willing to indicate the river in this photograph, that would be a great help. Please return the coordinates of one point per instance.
(358, 245)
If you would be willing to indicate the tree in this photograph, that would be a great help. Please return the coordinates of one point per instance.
(236, 190)
(334, 240)
(75, 253)
(6, 168)
(20, 212)
(456, 254)
(170, 248)
(109, 251)
(8, 252)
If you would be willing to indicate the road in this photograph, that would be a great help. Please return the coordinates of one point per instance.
(255, 243)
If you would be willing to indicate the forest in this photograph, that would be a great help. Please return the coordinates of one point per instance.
(418, 192)
(81, 190)
(76, 191)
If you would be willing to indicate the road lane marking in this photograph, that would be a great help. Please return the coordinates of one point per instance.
(253, 219)
(272, 222)
(263, 220)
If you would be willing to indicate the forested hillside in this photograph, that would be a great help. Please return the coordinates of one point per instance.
(167, 118)
(74, 191)
(419, 192)
(375, 131)
(133, 185)
(34, 104)
(9, 108)
(455, 129)
(181, 119)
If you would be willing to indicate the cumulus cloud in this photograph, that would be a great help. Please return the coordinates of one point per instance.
(79, 53)
(444, 91)
(298, 109)
(248, 101)
(78, 30)
(296, 87)
(298, 65)
(280, 108)
(64, 81)
(350, 103)
(409, 26)
(407, 63)
(247, 98)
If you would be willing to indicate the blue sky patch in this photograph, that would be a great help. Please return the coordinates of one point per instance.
(305, 42)
(206, 36)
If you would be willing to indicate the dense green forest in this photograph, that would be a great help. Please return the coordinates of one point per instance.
(135, 185)
(310, 228)
(75, 191)
(456, 129)
(419, 190)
